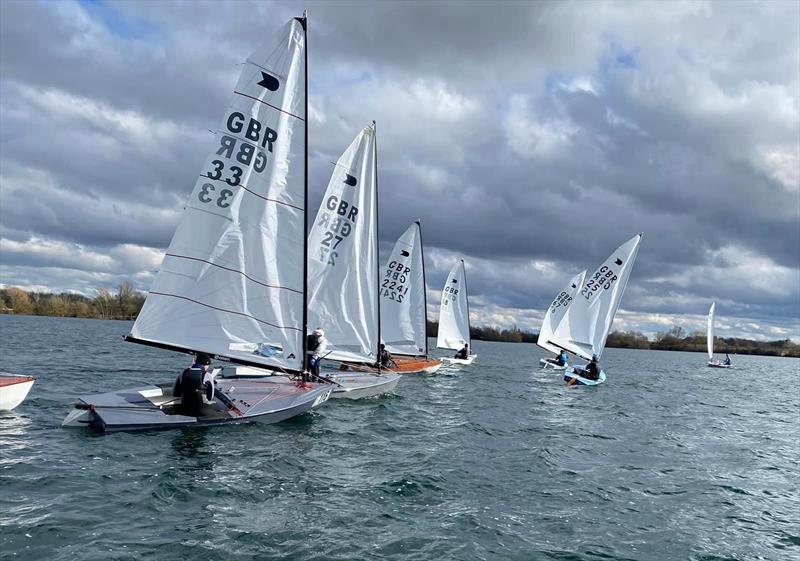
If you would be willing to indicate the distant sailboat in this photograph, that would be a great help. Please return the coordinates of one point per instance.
(404, 305)
(232, 284)
(552, 317)
(585, 326)
(712, 362)
(454, 316)
(343, 271)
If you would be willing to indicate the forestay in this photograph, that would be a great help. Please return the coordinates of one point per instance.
(554, 314)
(584, 328)
(710, 331)
(231, 283)
(454, 311)
(402, 289)
(343, 257)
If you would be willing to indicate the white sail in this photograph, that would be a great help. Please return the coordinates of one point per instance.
(710, 333)
(402, 287)
(231, 283)
(584, 328)
(454, 311)
(554, 314)
(343, 256)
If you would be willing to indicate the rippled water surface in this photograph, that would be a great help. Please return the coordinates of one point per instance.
(667, 460)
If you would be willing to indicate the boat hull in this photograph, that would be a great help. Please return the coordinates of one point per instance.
(572, 378)
(459, 361)
(14, 390)
(235, 401)
(549, 365)
(413, 365)
(715, 364)
(360, 386)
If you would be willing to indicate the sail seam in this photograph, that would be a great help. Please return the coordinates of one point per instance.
(224, 310)
(270, 105)
(243, 186)
(245, 275)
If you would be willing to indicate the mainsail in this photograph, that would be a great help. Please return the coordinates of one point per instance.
(584, 328)
(710, 332)
(232, 281)
(554, 314)
(343, 256)
(454, 311)
(402, 287)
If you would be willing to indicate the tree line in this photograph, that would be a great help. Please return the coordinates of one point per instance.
(125, 303)
(673, 340)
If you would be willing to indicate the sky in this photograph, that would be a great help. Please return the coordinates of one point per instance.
(531, 139)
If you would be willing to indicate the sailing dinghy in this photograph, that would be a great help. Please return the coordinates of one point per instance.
(552, 317)
(404, 306)
(712, 362)
(13, 390)
(232, 283)
(343, 271)
(454, 316)
(585, 326)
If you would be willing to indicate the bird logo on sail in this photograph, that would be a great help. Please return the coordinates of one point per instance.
(269, 82)
(618, 261)
(404, 253)
(350, 180)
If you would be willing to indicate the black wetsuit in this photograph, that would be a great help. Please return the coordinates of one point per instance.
(312, 344)
(189, 387)
(385, 359)
(463, 354)
(591, 372)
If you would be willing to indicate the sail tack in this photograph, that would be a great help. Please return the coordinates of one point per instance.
(231, 283)
(402, 290)
(555, 313)
(710, 331)
(343, 256)
(584, 328)
(454, 310)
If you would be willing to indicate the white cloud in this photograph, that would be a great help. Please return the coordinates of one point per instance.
(530, 136)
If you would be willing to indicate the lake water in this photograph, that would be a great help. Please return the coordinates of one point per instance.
(667, 460)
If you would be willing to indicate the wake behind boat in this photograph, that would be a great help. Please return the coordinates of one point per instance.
(585, 326)
(232, 284)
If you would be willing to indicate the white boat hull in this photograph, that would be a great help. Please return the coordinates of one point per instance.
(549, 365)
(717, 364)
(459, 361)
(359, 386)
(573, 378)
(14, 390)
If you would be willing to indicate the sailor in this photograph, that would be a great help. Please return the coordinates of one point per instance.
(385, 359)
(727, 360)
(463, 354)
(317, 344)
(592, 370)
(189, 385)
(562, 358)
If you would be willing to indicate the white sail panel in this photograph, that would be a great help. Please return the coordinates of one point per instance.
(231, 283)
(584, 328)
(554, 314)
(402, 289)
(454, 311)
(343, 257)
(710, 332)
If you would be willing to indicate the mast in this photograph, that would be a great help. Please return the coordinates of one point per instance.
(424, 286)
(304, 22)
(466, 300)
(377, 243)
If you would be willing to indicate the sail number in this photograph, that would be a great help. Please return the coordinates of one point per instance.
(337, 225)
(449, 295)
(602, 279)
(394, 285)
(562, 299)
(207, 194)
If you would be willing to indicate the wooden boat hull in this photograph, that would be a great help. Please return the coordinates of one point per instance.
(414, 365)
(236, 400)
(14, 390)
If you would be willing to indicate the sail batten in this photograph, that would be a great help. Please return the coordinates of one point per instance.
(454, 311)
(585, 326)
(342, 261)
(232, 281)
(402, 290)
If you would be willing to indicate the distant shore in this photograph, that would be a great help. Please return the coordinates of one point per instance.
(126, 302)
